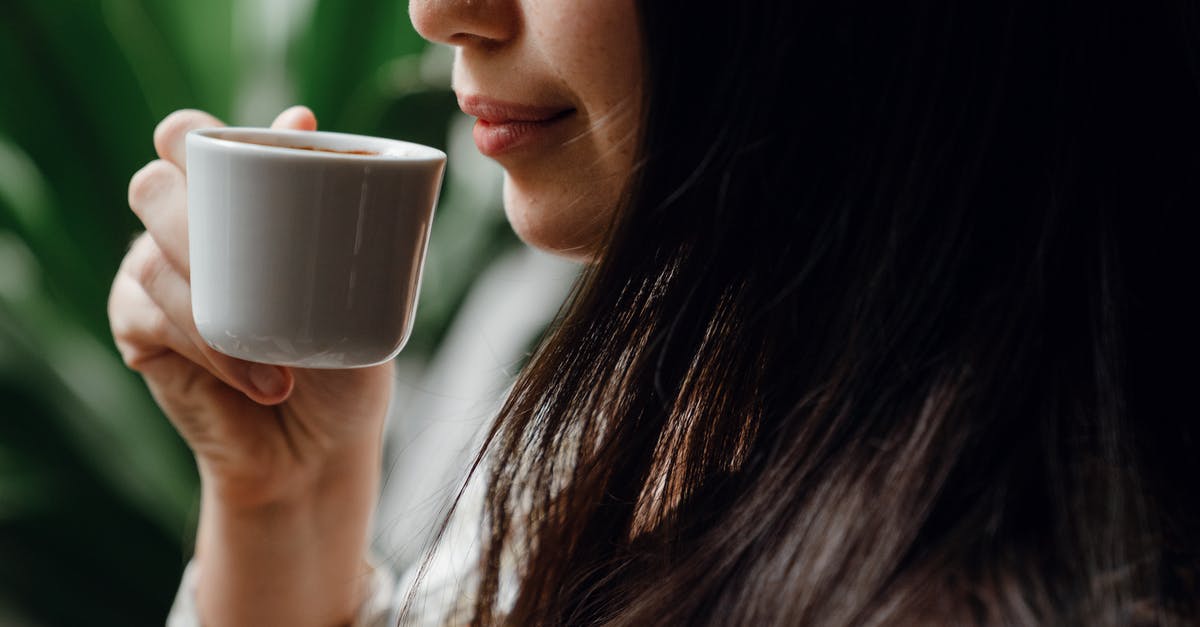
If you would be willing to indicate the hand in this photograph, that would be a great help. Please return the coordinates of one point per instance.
(288, 458)
(261, 434)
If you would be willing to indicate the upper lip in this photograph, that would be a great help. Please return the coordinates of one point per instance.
(500, 112)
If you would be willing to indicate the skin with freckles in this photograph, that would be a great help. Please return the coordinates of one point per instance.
(580, 56)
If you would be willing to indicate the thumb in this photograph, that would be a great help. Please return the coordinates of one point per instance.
(299, 118)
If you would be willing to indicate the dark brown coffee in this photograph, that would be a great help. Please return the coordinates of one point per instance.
(340, 152)
(366, 153)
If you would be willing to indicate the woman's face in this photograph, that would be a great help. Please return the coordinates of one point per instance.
(556, 87)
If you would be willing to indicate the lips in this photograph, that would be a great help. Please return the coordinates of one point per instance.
(504, 127)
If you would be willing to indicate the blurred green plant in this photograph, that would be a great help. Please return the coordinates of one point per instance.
(97, 493)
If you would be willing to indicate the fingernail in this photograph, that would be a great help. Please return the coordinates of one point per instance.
(267, 379)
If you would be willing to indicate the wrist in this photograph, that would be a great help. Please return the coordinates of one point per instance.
(294, 555)
(281, 480)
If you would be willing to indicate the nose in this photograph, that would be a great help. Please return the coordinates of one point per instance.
(480, 23)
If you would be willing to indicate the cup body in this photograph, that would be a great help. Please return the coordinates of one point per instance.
(303, 257)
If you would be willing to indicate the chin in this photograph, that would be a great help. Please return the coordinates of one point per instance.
(550, 223)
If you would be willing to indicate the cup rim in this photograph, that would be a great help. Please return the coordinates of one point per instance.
(387, 150)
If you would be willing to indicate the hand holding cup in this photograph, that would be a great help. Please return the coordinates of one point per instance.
(260, 432)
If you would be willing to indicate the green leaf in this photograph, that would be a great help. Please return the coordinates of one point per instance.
(338, 61)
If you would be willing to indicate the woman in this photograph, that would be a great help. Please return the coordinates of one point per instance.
(882, 323)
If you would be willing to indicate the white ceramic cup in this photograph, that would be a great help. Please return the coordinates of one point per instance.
(305, 257)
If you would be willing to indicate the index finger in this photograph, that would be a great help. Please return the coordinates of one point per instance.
(170, 133)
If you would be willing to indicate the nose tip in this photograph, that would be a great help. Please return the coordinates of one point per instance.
(466, 23)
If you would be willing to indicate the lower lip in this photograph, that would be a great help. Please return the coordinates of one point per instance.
(496, 138)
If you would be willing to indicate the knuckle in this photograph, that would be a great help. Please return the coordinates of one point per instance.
(136, 250)
(140, 332)
(136, 349)
(136, 358)
(151, 270)
(114, 305)
(119, 308)
(145, 263)
(174, 126)
(170, 127)
(123, 334)
(158, 326)
(148, 184)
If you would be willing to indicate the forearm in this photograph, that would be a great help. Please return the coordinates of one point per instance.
(296, 561)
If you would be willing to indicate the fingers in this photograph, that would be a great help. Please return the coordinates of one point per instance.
(298, 118)
(195, 401)
(170, 133)
(142, 330)
(177, 383)
(152, 292)
(169, 136)
(158, 192)
(179, 379)
(155, 347)
(147, 271)
(158, 196)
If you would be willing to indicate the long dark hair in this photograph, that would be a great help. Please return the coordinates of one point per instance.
(892, 328)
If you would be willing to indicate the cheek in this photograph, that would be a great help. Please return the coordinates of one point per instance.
(566, 220)
(564, 203)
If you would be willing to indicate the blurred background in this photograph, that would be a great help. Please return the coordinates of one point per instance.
(98, 496)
